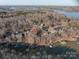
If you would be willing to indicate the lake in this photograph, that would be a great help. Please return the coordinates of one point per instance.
(72, 14)
(69, 14)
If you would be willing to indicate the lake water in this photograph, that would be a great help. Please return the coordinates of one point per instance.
(72, 14)
(69, 14)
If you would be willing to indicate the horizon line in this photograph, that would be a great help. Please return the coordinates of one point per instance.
(39, 5)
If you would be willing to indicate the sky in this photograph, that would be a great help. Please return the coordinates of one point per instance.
(38, 2)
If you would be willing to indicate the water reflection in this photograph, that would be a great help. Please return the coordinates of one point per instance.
(26, 51)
